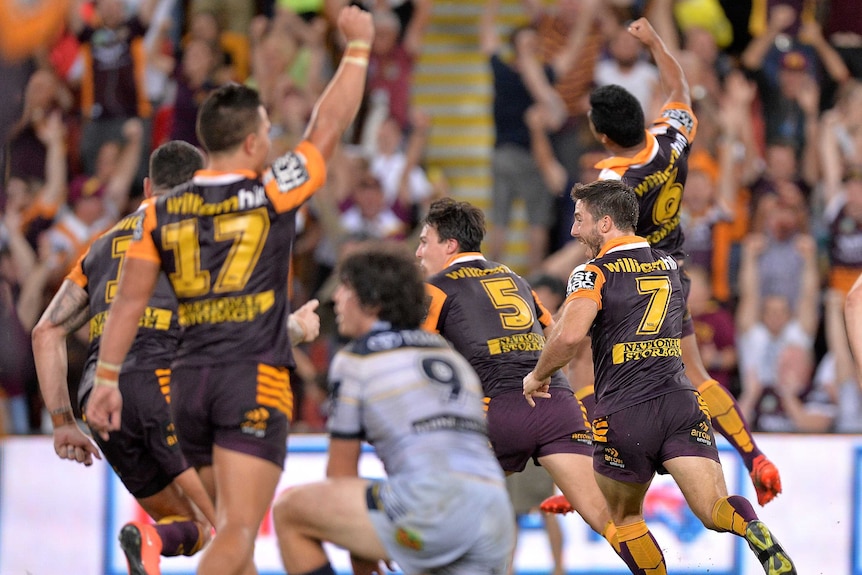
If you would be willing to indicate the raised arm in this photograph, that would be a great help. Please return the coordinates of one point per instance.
(120, 184)
(808, 304)
(812, 34)
(563, 61)
(553, 173)
(337, 106)
(781, 17)
(853, 323)
(489, 41)
(52, 133)
(415, 33)
(748, 308)
(672, 77)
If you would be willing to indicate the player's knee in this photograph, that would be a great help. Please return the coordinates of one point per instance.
(286, 510)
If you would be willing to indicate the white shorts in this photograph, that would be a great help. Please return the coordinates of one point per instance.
(444, 523)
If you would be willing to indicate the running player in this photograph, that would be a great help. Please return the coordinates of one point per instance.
(443, 507)
(223, 240)
(492, 317)
(144, 452)
(648, 417)
(655, 164)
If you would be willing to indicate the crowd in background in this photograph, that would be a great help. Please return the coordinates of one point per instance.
(772, 208)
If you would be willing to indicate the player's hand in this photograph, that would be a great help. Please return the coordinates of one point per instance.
(535, 388)
(308, 319)
(70, 443)
(103, 409)
(356, 24)
(643, 31)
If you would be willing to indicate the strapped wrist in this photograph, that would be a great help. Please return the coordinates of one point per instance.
(61, 417)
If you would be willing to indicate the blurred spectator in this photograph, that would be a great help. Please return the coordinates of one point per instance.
(44, 95)
(369, 214)
(397, 165)
(36, 201)
(393, 57)
(841, 190)
(790, 98)
(231, 15)
(767, 324)
(570, 32)
(97, 202)
(627, 65)
(231, 49)
(843, 30)
(194, 81)
(836, 373)
(514, 172)
(713, 328)
(112, 89)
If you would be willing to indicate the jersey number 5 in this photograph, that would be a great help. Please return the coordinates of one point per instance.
(247, 231)
(515, 312)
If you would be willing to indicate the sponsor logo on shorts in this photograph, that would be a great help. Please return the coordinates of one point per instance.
(584, 437)
(702, 433)
(255, 421)
(612, 458)
(170, 434)
(409, 539)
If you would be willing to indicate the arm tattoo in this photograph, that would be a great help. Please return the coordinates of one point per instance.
(69, 308)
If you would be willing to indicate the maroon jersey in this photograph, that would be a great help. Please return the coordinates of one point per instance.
(224, 241)
(657, 174)
(98, 272)
(636, 334)
(492, 317)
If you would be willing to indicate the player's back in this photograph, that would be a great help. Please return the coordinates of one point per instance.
(98, 272)
(416, 400)
(637, 332)
(226, 249)
(658, 175)
(491, 316)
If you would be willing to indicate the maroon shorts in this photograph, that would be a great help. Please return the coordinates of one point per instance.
(144, 452)
(519, 432)
(242, 407)
(631, 445)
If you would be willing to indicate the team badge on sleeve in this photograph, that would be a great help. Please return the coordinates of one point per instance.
(581, 279)
(289, 172)
(680, 119)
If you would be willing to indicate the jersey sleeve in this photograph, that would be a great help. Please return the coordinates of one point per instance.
(76, 275)
(545, 317)
(294, 177)
(143, 247)
(345, 411)
(586, 281)
(437, 298)
(678, 116)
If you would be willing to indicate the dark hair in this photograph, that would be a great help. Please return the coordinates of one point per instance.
(461, 221)
(386, 277)
(609, 198)
(618, 115)
(174, 163)
(227, 116)
(553, 283)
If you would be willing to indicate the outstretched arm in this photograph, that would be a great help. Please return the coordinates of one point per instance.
(672, 77)
(337, 106)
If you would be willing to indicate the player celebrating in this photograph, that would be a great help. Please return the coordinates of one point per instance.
(223, 241)
(655, 164)
(144, 451)
(648, 416)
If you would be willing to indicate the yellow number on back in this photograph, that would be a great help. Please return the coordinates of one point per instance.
(118, 251)
(503, 294)
(658, 288)
(248, 232)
